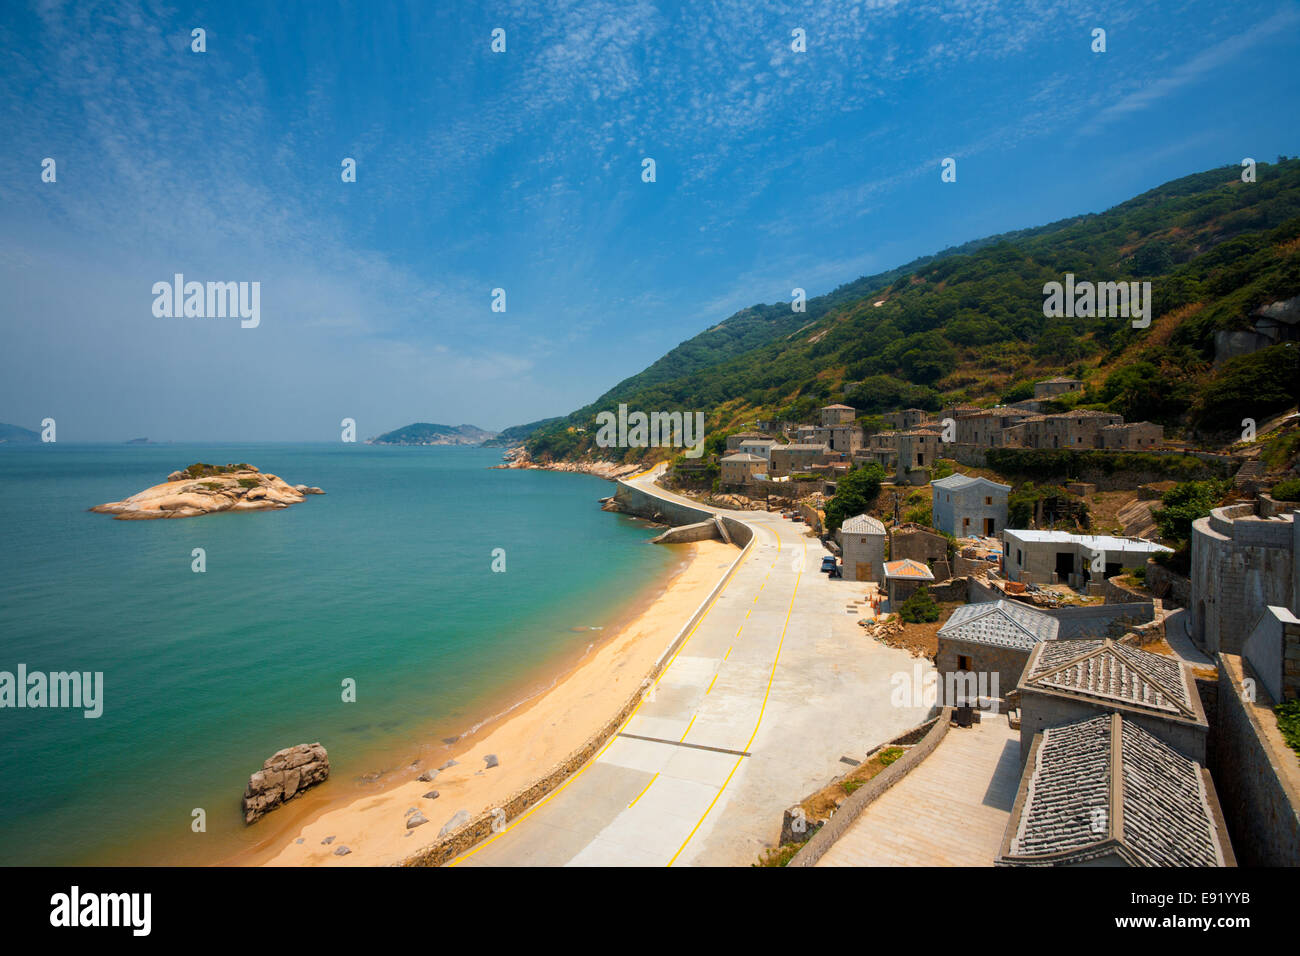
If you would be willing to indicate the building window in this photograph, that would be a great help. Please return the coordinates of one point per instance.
(963, 662)
(988, 499)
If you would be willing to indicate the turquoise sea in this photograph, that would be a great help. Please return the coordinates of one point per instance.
(386, 579)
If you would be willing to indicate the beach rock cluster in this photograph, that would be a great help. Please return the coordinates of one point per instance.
(283, 776)
(207, 489)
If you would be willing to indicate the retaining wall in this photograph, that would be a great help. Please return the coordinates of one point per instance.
(1254, 774)
(862, 798)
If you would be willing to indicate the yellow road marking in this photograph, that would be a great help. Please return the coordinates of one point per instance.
(688, 727)
(728, 654)
(642, 793)
(711, 683)
(609, 743)
(770, 677)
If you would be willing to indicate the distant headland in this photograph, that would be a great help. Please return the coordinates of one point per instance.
(426, 433)
(15, 434)
(203, 489)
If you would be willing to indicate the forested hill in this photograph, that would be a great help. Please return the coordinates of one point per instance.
(968, 325)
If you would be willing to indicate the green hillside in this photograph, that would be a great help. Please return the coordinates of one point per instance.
(968, 325)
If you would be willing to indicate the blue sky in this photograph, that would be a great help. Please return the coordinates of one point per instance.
(522, 170)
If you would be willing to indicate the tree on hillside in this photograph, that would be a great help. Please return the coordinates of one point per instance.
(855, 493)
(1250, 386)
(1184, 503)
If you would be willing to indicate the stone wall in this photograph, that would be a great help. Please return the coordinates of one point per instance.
(1241, 564)
(1254, 776)
(861, 798)
(953, 589)
(964, 566)
(1172, 588)
(1100, 620)
(1116, 593)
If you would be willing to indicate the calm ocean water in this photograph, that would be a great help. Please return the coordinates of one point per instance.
(386, 579)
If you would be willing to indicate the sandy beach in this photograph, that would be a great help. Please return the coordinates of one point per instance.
(528, 742)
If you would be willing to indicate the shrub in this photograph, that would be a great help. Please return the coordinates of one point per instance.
(1288, 490)
(1184, 503)
(919, 608)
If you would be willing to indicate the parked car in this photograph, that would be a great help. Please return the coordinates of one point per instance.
(828, 562)
(796, 517)
(837, 572)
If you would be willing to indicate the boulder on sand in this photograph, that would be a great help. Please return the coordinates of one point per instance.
(283, 776)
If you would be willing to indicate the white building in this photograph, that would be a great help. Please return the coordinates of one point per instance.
(1058, 557)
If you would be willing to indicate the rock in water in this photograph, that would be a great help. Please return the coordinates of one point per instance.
(285, 774)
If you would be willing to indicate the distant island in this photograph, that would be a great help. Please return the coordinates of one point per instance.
(425, 433)
(203, 489)
(16, 434)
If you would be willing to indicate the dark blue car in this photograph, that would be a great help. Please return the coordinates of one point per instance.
(828, 562)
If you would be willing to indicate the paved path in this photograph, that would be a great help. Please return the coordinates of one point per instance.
(951, 810)
(773, 686)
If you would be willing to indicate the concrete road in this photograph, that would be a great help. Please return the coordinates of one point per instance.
(774, 685)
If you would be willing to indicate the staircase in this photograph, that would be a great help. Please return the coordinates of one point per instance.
(1248, 478)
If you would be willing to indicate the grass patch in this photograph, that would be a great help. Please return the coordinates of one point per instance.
(889, 755)
(779, 855)
(1288, 721)
(248, 482)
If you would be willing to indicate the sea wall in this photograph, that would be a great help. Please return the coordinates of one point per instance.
(483, 826)
(632, 500)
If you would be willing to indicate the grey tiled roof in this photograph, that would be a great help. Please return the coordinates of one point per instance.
(1113, 672)
(862, 524)
(1000, 623)
(1159, 815)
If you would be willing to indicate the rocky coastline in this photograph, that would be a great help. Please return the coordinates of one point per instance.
(517, 457)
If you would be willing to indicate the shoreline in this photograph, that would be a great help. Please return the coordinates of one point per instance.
(530, 735)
